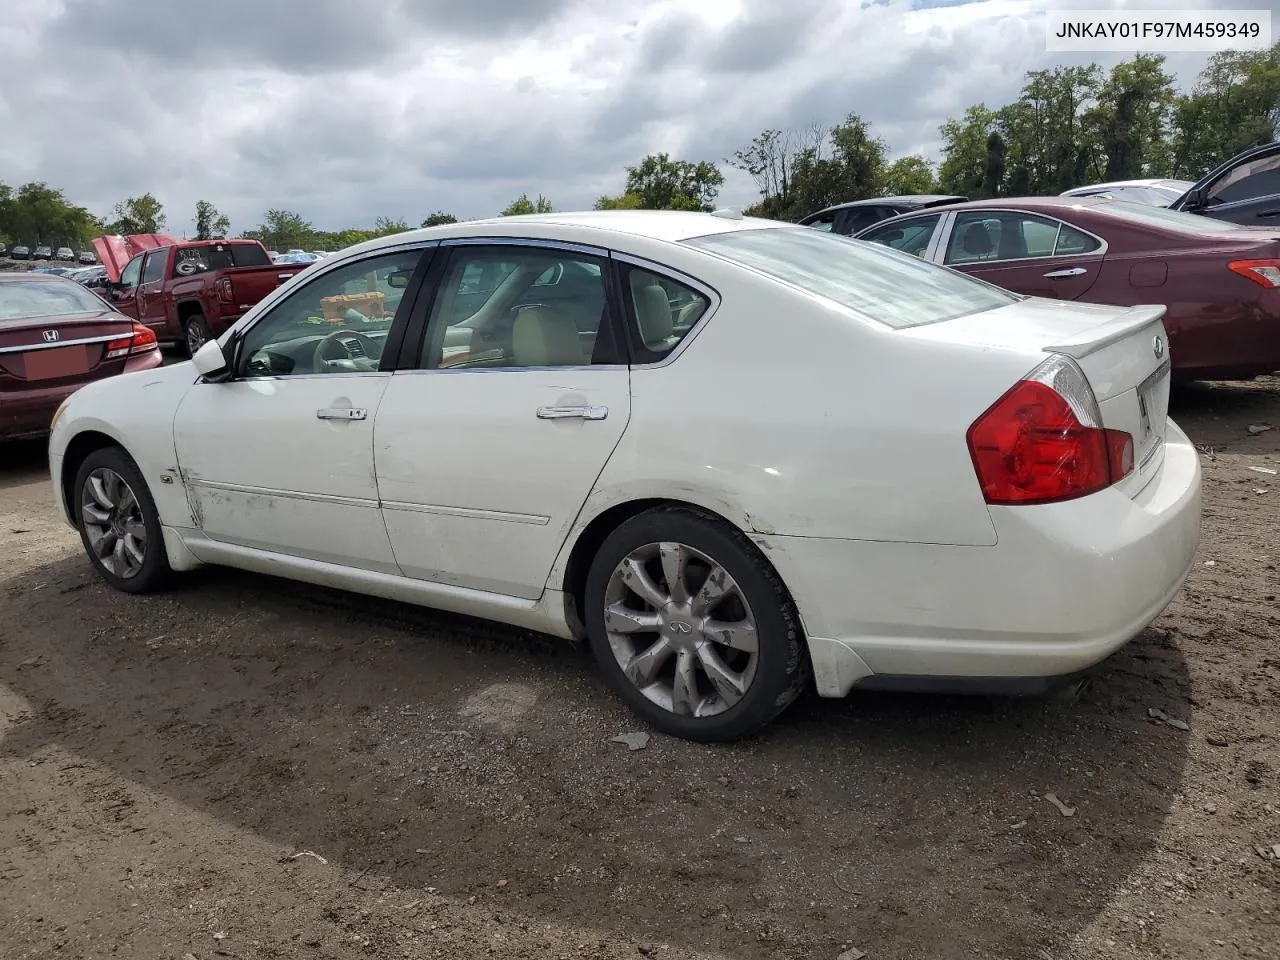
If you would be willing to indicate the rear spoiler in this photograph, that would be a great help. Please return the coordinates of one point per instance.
(116, 251)
(1123, 324)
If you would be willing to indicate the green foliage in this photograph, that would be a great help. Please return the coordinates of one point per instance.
(1235, 105)
(143, 214)
(523, 205)
(908, 175)
(210, 224)
(438, 218)
(36, 213)
(385, 226)
(623, 201)
(661, 183)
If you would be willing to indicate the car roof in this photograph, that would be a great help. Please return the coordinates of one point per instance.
(1029, 203)
(587, 226)
(905, 200)
(20, 276)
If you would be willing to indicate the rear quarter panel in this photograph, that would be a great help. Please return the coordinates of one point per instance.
(786, 415)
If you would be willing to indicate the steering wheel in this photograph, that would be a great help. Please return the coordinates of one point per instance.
(368, 347)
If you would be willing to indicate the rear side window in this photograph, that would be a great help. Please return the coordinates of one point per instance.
(661, 312)
(910, 236)
(891, 288)
(218, 256)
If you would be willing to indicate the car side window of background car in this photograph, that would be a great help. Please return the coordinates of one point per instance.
(662, 311)
(1073, 242)
(510, 307)
(980, 236)
(338, 322)
(153, 268)
(132, 270)
(910, 236)
(823, 223)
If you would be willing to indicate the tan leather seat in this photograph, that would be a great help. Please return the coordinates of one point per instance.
(544, 338)
(653, 311)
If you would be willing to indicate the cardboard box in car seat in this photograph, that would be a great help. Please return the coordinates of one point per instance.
(336, 307)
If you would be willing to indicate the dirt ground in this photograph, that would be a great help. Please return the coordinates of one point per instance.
(248, 768)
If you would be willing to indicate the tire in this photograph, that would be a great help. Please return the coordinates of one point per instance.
(195, 334)
(122, 523)
(755, 688)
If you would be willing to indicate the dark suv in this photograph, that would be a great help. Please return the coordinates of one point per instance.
(849, 218)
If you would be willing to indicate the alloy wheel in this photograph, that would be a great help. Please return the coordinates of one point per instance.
(113, 523)
(681, 629)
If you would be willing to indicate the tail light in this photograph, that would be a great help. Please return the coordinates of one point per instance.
(1265, 273)
(1043, 441)
(140, 340)
(225, 293)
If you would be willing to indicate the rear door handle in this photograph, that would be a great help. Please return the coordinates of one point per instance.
(1069, 272)
(341, 413)
(568, 413)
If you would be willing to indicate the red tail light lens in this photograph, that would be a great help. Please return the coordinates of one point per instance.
(225, 293)
(1043, 441)
(140, 340)
(1265, 273)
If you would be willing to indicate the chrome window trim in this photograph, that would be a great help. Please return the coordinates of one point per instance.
(583, 248)
(1100, 252)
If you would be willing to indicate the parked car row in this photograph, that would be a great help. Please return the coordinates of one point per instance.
(65, 254)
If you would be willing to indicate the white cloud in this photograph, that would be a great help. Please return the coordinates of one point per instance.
(348, 111)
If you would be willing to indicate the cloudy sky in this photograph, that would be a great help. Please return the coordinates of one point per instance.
(345, 110)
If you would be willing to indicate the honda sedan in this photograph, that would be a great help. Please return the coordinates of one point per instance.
(738, 457)
(56, 336)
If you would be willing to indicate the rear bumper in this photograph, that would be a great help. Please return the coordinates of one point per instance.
(1065, 586)
(28, 413)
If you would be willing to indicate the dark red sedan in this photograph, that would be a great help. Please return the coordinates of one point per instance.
(56, 336)
(1220, 281)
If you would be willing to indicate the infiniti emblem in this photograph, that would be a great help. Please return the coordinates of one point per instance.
(679, 626)
(1157, 346)
(50, 336)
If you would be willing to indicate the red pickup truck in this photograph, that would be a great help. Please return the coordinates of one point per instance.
(188, 292)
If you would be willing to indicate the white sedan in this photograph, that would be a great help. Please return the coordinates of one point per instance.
(739, 457)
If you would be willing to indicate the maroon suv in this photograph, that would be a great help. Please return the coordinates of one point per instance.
(56, 336)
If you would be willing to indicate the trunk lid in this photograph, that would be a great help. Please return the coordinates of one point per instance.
(1123, 351)
(56, 351)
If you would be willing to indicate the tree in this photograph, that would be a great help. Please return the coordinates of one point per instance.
(665, 184)
(1234, 105)
(143, 214)
(285, 230)
(964, 149)
(848, 164)
(38, 213)
(908, 175)
(210, 224)
(770, 160)
(438, 218)
(623, 201)
(1130, 124)
(522, 205)
(385, 226)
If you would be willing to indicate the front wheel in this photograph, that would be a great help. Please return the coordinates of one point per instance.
(195, 333)
(118, 522)
(692, 626)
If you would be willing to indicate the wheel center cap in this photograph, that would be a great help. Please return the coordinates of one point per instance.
(679, 625)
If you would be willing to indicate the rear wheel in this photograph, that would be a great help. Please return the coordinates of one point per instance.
(692, 627)
(118, 522)
(195, 333)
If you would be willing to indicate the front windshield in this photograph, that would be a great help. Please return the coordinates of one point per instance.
(51, 297)
(893, 288)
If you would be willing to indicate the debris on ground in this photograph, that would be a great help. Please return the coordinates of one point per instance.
(1063, 809)
(1156, 714)
(1257, 428)
(634, 741)
(305, 853)
(853, 953)
(1267, 470)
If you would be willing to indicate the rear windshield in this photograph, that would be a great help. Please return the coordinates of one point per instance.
(1166, 218)
(896, 289)
(219, 256)
(28, 299)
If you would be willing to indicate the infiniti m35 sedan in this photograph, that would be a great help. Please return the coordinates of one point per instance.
(739, 457)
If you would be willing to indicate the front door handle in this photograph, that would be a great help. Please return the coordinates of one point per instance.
(341, 413)
(1069, 272)
(578, 413)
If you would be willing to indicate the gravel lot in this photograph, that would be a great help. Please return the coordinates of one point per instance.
(247, 768)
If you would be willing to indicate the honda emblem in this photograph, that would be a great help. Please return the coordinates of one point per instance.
(50, 336)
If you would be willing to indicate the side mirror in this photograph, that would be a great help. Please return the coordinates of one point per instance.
(209, 360)
(1195, 199)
